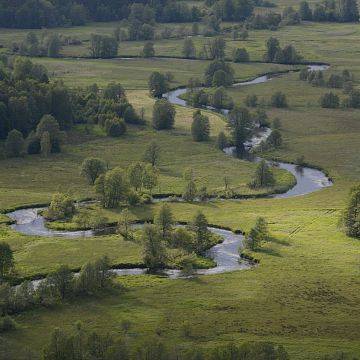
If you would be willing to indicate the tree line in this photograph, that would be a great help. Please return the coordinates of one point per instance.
(33, 109)
(67, 345)
(37, 14)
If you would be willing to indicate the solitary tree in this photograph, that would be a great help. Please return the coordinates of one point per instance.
(92, 168)
(154, 249)
(190, 191)
(163, 115)
(61, 280)
(112, 187)
(351, 216)
(158, 84)
(217, 48)
(241, 126)
(240, 55)
(263, 176)
(200, 127)
(272, 48)
(305, 11)
(150, 177)
(330, 100)
(152, 153)
(221, 141)
(202, 234)
(148, 50)
(258, 234)
(164, 220)
(188, 49)
(275, 139)
(7, 263)
(278, 100)
(124, 224)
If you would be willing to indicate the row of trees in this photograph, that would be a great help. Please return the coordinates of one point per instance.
(48, 45)
(274, 53)
(59, 285)
(335, 81)
(330, 10)
(51, 13)
(332, 100)
(67, 345)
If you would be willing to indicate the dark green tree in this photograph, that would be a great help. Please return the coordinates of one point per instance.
(305, 11)
(7, 263)
(154, 249)
(163, 115)
(351, 217)
(92, 168)
(164, 220)
(263, 176)
(272, 47)
(275, 139)
(278, 100)
(330, 100)
(240, 125)
(158, 85)
(240, 55)
(148, 50)
(258, 234)
(152, 153)
(200, 127)
(199, 226)
(61, 279)
(189, 50)
(14, 144)
(221, 141)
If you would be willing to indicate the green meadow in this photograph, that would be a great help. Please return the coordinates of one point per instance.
(304, 294)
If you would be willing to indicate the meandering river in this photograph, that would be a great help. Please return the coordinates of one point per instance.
(225, 254)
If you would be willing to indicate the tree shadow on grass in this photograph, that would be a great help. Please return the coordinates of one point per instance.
(279, 241)
(269, 251)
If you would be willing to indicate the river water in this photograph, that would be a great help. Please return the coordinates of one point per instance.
(225, 254)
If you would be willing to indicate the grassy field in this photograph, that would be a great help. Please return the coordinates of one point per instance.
(134, 73)
(40, 177)
(305, 292)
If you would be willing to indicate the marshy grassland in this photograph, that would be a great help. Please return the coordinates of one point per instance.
(304, 294)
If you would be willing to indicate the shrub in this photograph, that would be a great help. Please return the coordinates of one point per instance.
(7, 324)
(130, 116)
(275, 139)
(240, 55)
(278, 100)
(61, 207)
(330, 100)
(14, 144)
(115, 127)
